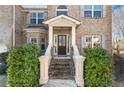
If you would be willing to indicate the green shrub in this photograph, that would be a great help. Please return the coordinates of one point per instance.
(3, 57)
(98, 68)
(23, 66)
(3, 68)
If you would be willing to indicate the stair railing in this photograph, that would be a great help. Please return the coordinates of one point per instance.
(44, 65)
(78, 62)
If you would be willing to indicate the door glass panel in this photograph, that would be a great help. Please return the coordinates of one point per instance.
(62, 45)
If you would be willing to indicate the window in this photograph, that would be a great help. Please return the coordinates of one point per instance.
(37, 17)
(34, 40)
(88, 11)
(97, 11)
(93, 10)
(43, 40)
(33, 18)
(43, 45)
(62, 9)
(93, 41)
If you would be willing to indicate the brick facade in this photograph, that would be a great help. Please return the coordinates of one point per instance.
(88, 26)
(6, 25)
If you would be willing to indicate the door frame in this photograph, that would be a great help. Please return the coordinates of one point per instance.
(55, 44)
(64, 37)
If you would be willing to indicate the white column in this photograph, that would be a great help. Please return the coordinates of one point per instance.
(73, 35)
(50, 35)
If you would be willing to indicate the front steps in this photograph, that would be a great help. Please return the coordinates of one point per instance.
(61, 69)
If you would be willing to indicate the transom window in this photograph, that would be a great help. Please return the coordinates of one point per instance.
(91, 41)
(61, 9)
(37, 17)
(93, 10)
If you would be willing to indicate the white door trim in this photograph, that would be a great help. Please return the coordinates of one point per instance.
(55, 44)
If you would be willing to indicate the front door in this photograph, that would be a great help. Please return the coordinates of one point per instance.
(61, 44)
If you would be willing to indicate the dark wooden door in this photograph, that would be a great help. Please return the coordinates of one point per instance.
(61, 44)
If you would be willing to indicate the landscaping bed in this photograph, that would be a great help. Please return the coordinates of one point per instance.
(98, 68)
(23, 66)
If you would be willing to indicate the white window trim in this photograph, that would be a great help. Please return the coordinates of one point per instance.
(61, 10)
(84, 42)
(36, 17)
(93, 11)
(33, 37)
(67, 44)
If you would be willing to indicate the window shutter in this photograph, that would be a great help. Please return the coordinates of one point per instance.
(28, 18)
(104, 11)
(82, 10)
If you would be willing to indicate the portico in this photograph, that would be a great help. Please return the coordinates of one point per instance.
(62, 34)
(61, 37)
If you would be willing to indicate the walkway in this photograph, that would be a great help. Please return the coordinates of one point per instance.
(119, 71)
(60, 83)
(2, 80)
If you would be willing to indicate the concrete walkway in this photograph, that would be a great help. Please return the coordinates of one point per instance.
(60, 83)
(2, 80)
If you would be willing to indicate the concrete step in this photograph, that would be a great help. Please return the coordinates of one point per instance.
(60, 66)
(61, 69)
(61, 77)
(62, 63)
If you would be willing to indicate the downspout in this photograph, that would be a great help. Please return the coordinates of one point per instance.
(13, 27)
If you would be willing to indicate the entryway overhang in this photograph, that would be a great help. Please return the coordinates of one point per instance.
(62, 21)
(34, 30)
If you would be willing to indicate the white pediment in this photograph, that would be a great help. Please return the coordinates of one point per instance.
(62, 20)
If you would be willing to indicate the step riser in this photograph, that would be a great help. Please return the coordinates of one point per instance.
(58, 66)
(66, 69)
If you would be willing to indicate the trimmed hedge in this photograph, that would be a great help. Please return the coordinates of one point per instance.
(98, 68)
(23, 66)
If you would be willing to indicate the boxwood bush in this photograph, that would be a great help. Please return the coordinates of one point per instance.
(23, 66)
(98, 68)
